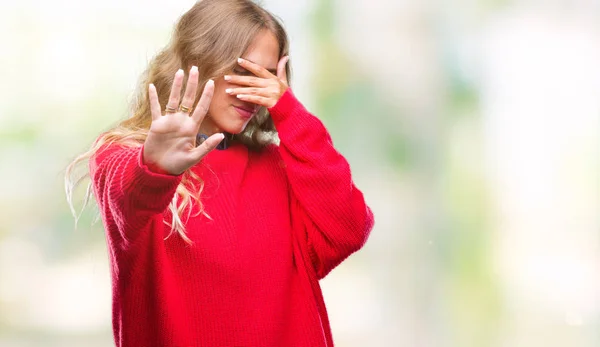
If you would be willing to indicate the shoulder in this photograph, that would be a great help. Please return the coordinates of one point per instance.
(271, 152)
(104, 153)
(270, 157)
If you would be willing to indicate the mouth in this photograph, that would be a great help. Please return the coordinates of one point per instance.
(245, 111)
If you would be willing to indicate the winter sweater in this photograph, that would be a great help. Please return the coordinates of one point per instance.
(275, 223)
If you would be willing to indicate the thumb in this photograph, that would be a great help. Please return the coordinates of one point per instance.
(208, 145)
(281, 71)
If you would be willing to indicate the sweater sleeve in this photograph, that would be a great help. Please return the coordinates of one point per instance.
(127, 192)
(334, 213)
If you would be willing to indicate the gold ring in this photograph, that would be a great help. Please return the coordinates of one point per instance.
(184, 109)
(170, 109)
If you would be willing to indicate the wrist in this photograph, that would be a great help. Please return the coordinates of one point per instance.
(152, 165)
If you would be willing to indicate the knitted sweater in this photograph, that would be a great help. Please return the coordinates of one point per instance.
(278, 221)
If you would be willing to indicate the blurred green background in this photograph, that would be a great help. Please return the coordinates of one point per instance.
(471, 126)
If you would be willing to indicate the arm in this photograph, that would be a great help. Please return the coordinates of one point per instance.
(333, 210)
(127, 191)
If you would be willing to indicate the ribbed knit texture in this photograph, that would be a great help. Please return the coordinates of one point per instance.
(280, 220)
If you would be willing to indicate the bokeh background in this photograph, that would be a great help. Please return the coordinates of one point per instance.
(473, 128)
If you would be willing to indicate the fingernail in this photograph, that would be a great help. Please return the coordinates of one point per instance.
(227, 78)
(239, 96)
(228, 90)
(222, 136)
(240, 60)
(194, 69)
(210, 82)
(180, 71)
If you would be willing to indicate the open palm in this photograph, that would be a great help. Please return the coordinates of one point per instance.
(171, 142)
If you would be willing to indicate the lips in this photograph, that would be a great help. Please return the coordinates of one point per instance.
(245, 111)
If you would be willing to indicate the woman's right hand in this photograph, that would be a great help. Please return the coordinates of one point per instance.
(171, 143)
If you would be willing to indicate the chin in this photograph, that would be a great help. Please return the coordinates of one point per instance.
(235, 128)
(236, 125)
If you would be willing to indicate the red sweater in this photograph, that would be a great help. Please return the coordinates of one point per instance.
(281, 220)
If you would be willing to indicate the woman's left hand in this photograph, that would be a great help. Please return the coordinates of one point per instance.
(264, 88)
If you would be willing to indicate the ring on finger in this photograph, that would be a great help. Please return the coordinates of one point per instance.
(184, 109)
(170, 109)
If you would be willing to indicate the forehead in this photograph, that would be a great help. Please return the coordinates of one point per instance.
(264, 50)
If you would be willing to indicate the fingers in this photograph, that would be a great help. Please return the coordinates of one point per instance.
(247, 81)
(190, 89)
(204, 103)
(281, 70)
(176, 90)
(259, 100)
(208, 145)
(251, 91)
(155, 108)
(255, 68)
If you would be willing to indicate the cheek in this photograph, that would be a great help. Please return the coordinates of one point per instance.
(219, 101)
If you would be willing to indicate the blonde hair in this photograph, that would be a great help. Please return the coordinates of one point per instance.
(211, 35)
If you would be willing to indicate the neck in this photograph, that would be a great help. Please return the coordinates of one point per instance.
(208, 127)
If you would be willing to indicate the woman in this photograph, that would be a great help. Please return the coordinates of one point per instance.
(218, 236)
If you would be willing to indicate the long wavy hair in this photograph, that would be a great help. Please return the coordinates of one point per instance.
(211, 35)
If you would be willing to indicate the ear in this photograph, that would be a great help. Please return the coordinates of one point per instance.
(281, 71)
